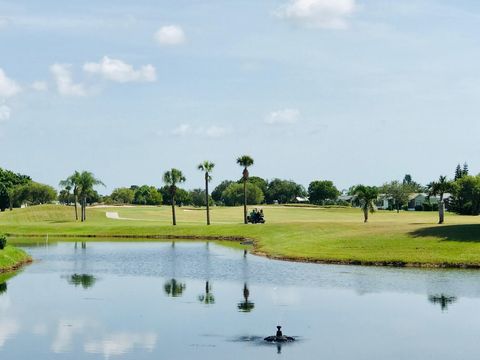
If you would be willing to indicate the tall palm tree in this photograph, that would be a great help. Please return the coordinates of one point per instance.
(207, 168)
(172, 178)
(367, 195)
(245, 161)
(72, 182)
(86, 182)
(439, 188)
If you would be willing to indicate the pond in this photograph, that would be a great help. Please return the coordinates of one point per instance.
(185, 300)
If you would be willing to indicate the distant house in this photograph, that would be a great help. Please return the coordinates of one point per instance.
(384, 202)
(300, 199)
(418, 199)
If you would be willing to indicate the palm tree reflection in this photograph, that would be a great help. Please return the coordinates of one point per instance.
(208, 297)
(174, 288)
(443, 300)
(3, 288)
(84, 280)
(245, 305)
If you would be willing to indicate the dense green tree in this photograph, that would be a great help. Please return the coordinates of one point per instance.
(439, 188)
(147, 195)
(256, 180)
(207, 168)
(410, 185)
(171, 179)
(460, 171)
(233, 195)
(367, 196)
(319, 191)
(65, 196)
(217, 192)
(283, 191)
(245, 161)
(8, 180)
(31, 193)
(123, 196)
(182, 196)
(466, 195)
(197, 197)
(398, 192)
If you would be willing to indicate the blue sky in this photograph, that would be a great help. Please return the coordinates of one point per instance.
(354, 91)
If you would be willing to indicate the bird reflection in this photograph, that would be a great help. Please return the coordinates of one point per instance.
(84, 280)
(443, 300)
(246, 305)
(3, 288)
(174, 288)
(208, 297)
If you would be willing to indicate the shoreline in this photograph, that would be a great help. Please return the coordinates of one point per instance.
(22, 259)
(249, 241)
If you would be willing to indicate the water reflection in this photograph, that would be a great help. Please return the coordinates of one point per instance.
(443, 300)
(174, 288)
(84, 280)
(83, 244)
(246, 305)
(3, 288)
(208, 297)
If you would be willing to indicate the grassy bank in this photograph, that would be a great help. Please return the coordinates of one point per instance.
(333, 235)
(11, 259)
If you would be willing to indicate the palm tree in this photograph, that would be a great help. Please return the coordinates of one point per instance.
(245, 161)
(172, 178)
(72, 182)
(367, 195)
(207, 168)
(439, 188)
(86, 182)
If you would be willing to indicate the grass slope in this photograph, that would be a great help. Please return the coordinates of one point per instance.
(296, 233)
(11, 259)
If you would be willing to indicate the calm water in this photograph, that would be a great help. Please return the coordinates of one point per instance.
(150, 301)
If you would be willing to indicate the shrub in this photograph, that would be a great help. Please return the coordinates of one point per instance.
(3, 242)
(427, 206)
(418, 207)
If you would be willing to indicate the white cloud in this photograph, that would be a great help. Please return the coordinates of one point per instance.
(119, 71)
(4, 113)
(8, 87)
(211, 131)
(121, 343)
(285, 116)
(39, 86)
(8, 328)
(182, 130)
(64, 81)
(329, 14)
(216, 131)
(170, 35)
(3, 22)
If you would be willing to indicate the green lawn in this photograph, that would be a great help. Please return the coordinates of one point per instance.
(299, 233)
(11, 259)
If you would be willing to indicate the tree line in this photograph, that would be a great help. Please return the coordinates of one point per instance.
(79, 189)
